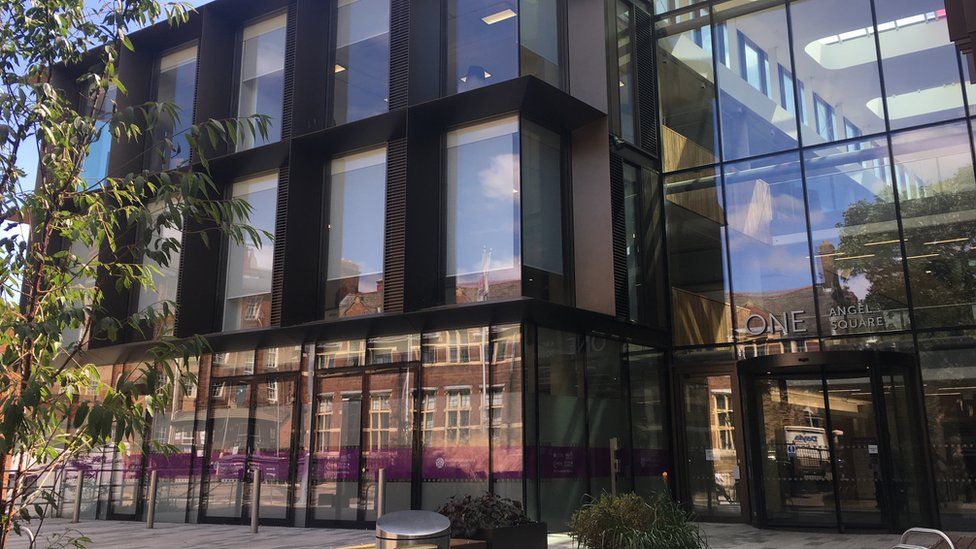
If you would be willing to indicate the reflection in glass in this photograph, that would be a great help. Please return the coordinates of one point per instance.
(561, 429)
(709, 413)
(505, 403)
(857, 251)
(228, 421)
(632, 208)
(482, 43)
(920, 64)
(539, 35)
(126, 465)
(454, 408)
(165, 276)
(625, 71)
(77, 332)
(795, 452)
(908, 483)
(362, 64)
(272, 435)
(687, 90)
(482, 218)
(696, 231)
(247, 293)
(770, 263)
(357, 202)
(651, 449)
(388, 440)
(236, 363)
(542, 211)
(336, 448)
(393, 349)
(753, 120)
(935, 183)
(100, 105)
(176, 84)
(278, 359)
(174, 427)
(837, 60)
(262, 86)
(607, 413)
(949, 369)
(855, 434)
(340, 354)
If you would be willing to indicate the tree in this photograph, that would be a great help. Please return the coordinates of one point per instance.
(48, 285)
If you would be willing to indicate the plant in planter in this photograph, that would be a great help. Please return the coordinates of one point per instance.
(499, 521)
(628, 521)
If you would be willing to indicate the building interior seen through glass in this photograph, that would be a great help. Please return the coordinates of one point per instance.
(362, 63)
(262, 85)
(319, 421)
(865, 236)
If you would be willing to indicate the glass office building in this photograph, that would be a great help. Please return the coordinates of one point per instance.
(762, 291)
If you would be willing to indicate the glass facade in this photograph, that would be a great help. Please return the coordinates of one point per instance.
(489, 42)
(262, 78)
(362, 62)
(247, 278)
(503, 218)
(320, 420)
(176, 85)
(101, 105)
(165, 275)
(808, 238)
(354, 231)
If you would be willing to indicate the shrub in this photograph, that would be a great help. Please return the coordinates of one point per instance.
(629, 522)
(469, 514)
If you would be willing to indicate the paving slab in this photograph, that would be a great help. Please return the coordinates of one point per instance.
(134, 535)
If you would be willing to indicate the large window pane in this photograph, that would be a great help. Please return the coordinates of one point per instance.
(625, 71)
(542, 211)
(362, 66)
(176, 84)
(934, 169)
(482, 43)
(632, 209)
(454, 417)
(949, 369)
(687, 90)
(76, 332)
(696, 231)
(482, 228)
(773, 293)
(837, 63)
(920, 66)
(247, 293)
(562, 426)
(539, 35)
(857, 251)
(100, 105)
(357, 198)
(754, 121)
(607, 413)
(262, 86)
(650, 453)
(165, 274)
(505, 403)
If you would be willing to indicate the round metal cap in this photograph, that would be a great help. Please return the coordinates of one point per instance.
(412, 525)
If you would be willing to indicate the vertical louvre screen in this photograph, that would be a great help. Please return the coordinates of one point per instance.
(399, 59)
(289, 84)
(396, 219)
(619, 236)
(646, 69)
(277, 273)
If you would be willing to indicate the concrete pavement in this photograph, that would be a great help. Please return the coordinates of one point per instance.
(134, 535)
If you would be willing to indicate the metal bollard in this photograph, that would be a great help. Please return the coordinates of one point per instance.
(151, 510)
(255, 498)
(76, 511)
(380, 492)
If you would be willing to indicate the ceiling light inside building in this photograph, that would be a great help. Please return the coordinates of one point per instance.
(498, 17)
(339, 68)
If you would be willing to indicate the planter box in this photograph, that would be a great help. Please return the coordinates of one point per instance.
(525, 536)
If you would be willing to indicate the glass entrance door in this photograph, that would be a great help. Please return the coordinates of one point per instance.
(836, 445)
(364, 422)
(251, 426)
(712, 472)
